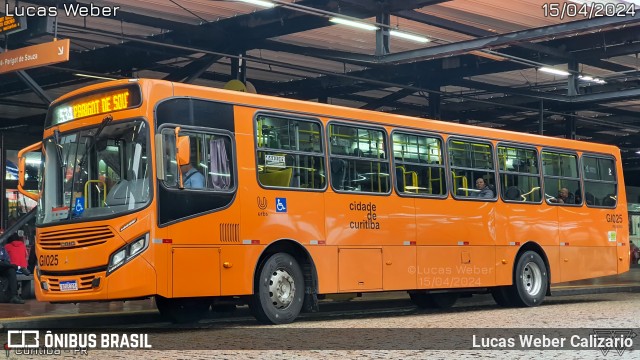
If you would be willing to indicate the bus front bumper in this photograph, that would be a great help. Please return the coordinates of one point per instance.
(135, 279)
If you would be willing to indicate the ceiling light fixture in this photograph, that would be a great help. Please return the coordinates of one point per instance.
(408, 36)
(554, 71)
(267, 4)
(355, 24)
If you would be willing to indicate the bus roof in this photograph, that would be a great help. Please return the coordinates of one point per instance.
(346, 113)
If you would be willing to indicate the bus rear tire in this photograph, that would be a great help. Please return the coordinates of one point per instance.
(501, 296)
(279, 291)
(182, 310)
(530, 280)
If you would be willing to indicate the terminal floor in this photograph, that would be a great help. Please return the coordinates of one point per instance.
(629, 281)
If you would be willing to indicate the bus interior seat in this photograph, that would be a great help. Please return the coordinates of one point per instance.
(591, 200)
(338, 173)
(513, 193)
(358, 153)
(609, 200)
(280, 178)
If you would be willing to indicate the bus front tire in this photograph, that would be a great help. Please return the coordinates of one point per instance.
(182, 310)
(279, 292)
(530, 281)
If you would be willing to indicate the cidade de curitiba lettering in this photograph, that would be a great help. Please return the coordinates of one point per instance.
(71, 10)
(370, 218)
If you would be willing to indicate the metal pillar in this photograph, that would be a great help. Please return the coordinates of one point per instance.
(434, 106)
(541, 118)
(572, 81)
(570, 126)
(239, 68)
(382, 34)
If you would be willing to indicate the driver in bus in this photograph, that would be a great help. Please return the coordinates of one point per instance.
(191, 178)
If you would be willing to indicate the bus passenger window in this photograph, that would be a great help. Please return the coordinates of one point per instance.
(561, 179)
(472, 170)
(600, 184)
(358, 159)
(519, 178)
(289, 153)
(419, 165)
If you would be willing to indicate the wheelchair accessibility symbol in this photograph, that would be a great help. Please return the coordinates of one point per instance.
(78, 208)
(281, 205)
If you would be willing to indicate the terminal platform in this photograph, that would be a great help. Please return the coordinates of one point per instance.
(84, 314)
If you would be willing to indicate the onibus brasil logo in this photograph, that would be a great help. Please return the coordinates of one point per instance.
(618, 339)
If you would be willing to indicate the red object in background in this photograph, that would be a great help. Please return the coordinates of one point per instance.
(17, 253)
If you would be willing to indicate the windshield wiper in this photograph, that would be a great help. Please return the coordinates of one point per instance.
(56, 143)
(107, 119)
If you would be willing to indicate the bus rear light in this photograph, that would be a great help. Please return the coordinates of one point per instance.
(167, 241)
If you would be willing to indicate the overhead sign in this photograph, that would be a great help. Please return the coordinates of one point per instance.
(34, 56)
(12, 24)
(95, 104)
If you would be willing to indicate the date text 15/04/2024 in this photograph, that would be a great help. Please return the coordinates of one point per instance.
(70, 10)
(590, 10)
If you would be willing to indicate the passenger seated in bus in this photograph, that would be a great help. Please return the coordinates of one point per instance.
(513, 193)
(484, 192)
(191, 178)
(564, 197)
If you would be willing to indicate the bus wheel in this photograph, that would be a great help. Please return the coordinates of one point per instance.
(430, 301)
(182, 310)
(530, 280)
(279, 293)
(501, 296)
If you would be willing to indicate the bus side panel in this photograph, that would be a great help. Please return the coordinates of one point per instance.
(623, 236)
(450, 267)
(519, 224)
(587, 243)
(399, 267)
(455, 238)
(196, 271)
(238, 265)
(325, 259)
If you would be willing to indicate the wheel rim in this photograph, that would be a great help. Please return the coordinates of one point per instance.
(532, 278)
(282, 289)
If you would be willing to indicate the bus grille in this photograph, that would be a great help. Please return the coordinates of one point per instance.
(229, 232)
(84, 283)
(71, 239)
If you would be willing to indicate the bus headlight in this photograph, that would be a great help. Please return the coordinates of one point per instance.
(126, 253)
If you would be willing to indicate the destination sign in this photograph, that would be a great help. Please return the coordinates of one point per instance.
(11, 24)
(96, 104)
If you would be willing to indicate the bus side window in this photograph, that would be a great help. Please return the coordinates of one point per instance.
(289, 153)
(561, 178)
(600, 184)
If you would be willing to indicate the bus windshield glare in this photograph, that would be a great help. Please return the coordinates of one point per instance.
(95, 172)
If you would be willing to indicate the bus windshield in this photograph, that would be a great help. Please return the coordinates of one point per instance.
(94, 172)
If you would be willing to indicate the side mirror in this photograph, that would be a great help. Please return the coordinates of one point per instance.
(22, 163)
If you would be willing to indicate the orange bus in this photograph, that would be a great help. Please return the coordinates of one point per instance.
(195, 196)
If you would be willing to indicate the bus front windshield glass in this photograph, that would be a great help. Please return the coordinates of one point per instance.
(95, 172)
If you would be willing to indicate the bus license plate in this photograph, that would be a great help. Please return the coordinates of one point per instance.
(70, 285)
